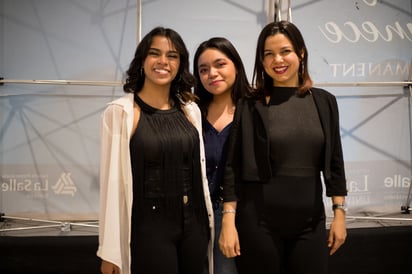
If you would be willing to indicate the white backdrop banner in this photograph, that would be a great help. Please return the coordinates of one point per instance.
(49, 135)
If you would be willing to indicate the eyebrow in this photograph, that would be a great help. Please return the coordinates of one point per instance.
(282, 48)
(158, 50)
(213, 62)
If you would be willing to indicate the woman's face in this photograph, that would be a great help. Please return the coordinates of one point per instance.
(162, 62)
(280, 61)
(217, 72)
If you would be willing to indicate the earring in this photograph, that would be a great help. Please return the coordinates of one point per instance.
(141, 72)
(302, 68)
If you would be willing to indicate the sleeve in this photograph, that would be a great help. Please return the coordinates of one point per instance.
(336, 184)
(110, 177)
(232, 171)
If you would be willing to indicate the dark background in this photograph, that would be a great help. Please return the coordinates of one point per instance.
(372, 250)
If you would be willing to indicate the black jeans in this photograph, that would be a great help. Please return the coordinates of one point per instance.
(162, 244)
(267, 250)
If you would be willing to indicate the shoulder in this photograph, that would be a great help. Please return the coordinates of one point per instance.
(124, 101)
(192, 112)
(119, 107)
(191, 106)
(246, 101)
(321, 92)
(322, 95)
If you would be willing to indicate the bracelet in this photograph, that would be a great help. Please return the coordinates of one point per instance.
(228, 211)
(339, 206)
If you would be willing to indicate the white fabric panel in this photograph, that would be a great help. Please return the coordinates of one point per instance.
(49, 144)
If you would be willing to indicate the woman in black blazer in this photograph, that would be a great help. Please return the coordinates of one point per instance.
(283, 142)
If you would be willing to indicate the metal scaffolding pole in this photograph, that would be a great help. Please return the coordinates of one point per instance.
(119, 83)
(61, 82)
(405, 209)
(64, 226)
(278, 10)
(139, 21)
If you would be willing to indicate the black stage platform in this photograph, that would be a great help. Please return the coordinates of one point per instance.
(378, 249)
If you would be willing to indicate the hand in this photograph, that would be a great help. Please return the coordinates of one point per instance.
(109, 268)
(337, 233)
(229, 239)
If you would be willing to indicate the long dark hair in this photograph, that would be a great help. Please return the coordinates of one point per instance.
(261, 80)
(184, 81)
(241, 87)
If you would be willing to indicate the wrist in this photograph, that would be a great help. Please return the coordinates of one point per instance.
(339, 206)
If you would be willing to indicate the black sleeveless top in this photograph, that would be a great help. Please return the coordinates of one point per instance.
(165, 157)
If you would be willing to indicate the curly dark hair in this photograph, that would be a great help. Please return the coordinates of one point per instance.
(181, 87)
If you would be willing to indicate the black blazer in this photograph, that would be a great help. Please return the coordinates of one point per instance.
(248, 152)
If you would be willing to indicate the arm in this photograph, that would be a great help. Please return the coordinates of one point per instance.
(337, 233)
(229, 239)
(109, 218)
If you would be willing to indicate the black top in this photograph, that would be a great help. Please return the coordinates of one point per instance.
(295, 134)
(165, 158)
(249, 156)
(296, 145)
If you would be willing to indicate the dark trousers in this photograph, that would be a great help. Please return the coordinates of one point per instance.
(162, 244)
(266, 250)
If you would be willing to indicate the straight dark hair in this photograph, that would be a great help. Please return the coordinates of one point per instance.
(261, 80)
(241, 86)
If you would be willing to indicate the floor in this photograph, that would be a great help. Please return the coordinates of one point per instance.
(375, 245)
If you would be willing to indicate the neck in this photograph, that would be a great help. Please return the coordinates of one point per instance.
(222, 100)
(158, 97)
(220, 105)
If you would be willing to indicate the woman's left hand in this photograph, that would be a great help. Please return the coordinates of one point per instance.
(337, 233)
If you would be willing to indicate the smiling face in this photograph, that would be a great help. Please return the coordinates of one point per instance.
(217, 72)
(161, 64)
(280, 61)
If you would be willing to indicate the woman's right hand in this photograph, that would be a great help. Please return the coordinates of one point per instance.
(109, 268)
(229, 238)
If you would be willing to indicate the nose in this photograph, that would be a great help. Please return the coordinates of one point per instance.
(212, 72)
(162, 59)
(277, 58)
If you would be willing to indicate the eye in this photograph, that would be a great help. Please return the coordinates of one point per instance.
(203, 70)
(286, 51)
(173, 55)
(153, 53)
(268, 54)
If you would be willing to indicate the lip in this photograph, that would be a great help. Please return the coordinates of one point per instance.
(215, 82)
(280, 69)
(161, 71)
